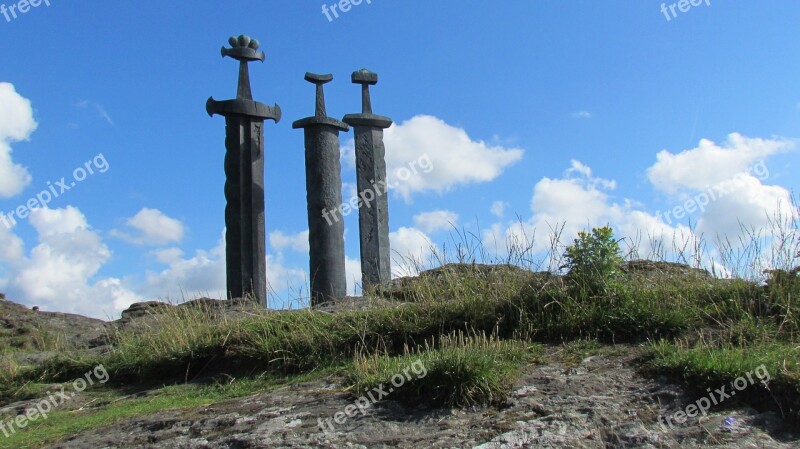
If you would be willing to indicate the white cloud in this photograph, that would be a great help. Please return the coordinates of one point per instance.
(349, 190)
(352, 269)
(58, 273)
(11, 246)
(151, 227)
(188, 278)
(411, 250)
(582, 115)
(61, 271)
(498, 208)
(584, 172)
(439, 220)
(580, 201)
(16, 124)
(719, 188)
(283, 278)
(204, 274)
(426, 154)
(68, 254)
(101, 110)
(296, 242)
(52, 222)
(571, 204)
(103, 113)
(747, 203)
(711, 164)
(167, 255)
(576, 198)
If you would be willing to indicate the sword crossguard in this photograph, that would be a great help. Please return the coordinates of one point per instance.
(366, 118)
(240, 106)
(245, 50)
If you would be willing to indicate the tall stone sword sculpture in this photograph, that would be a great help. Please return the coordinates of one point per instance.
(324, 195)
(245, 243)
(373, 212)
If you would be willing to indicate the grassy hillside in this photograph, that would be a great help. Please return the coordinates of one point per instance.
(472, 327)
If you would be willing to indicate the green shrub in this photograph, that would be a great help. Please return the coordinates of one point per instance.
(593, 260)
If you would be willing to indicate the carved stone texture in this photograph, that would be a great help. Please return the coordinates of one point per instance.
(373, 212)
(245, 240)
(324, 196)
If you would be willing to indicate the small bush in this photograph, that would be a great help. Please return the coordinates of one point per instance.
(593, 260)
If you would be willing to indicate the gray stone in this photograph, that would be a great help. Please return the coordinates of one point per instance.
(373, 211)
(244, 169)
(324, 196)
(599, 404)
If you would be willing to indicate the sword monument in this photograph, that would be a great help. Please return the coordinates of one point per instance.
(245, 243)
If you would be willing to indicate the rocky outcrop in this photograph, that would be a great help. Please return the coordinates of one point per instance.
(600, 403)
(650, 268)
(74, 331)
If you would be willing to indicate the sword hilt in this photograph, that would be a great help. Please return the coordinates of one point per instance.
(319, 80)
(366, 79)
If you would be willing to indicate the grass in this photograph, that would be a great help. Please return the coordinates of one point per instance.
(107, 406)
(454, 371)
(470, 329)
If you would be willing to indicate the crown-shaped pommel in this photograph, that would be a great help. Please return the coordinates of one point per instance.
(243, 48)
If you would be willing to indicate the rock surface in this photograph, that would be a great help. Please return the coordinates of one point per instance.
(601, 403)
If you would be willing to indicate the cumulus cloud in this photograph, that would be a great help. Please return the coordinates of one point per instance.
(438, 220)
(11, 246)
(167, 255)
(151, 227)
(16, 124)
(61, 273)
(580, 200)
(426, 154)
(282, 277)
(296, 242)
(58, 273)
(411, 250)
(723, 185)
(710, 163)
(746, 203)
(578, 197)
(203, 274)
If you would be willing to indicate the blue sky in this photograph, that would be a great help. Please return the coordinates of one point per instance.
(531, 113)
